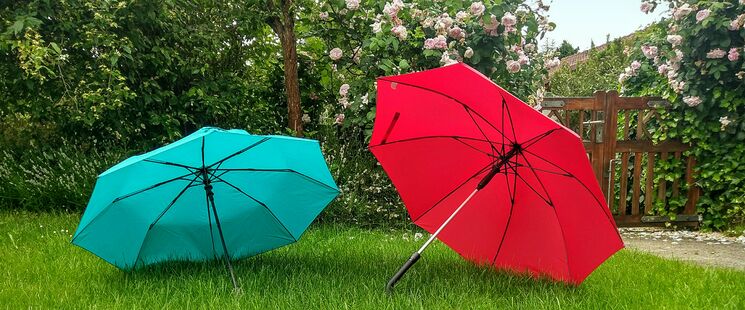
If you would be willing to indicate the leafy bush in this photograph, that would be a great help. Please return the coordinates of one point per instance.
(694, 61)
(51, 180)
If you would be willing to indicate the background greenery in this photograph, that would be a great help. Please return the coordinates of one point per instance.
(85, 84)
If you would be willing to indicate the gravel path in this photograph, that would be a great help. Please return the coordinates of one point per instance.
(711, 249)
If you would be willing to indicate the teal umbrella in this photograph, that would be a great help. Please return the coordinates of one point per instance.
(213, 194)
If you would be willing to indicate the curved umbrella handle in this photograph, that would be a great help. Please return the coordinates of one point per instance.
(392, 282)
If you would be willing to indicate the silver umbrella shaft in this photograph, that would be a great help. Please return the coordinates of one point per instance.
(437, 232)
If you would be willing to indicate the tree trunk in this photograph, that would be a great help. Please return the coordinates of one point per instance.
(284, 27)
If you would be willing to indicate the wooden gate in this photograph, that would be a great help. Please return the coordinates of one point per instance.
(616, 132)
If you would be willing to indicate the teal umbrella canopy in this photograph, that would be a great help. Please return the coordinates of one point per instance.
(213, 194)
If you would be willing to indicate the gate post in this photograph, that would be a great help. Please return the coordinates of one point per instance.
(610, 114)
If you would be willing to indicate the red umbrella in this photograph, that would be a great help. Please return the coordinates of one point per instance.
(494, 179)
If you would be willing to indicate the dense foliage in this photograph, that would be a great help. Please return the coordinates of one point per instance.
(694, 61)
(136, 73)
(599, 72)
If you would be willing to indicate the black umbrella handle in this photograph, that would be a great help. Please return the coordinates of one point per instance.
(392, 282)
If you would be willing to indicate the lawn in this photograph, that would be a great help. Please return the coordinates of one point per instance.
(333, 267)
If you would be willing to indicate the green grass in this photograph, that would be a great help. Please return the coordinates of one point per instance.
(333, 267)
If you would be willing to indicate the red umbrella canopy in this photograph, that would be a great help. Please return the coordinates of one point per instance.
(439, 133)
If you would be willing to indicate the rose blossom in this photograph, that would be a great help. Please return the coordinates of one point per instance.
(682, 11)
(509, 20)
(635, 65)
(461, 16)
(553, 63)
(662, 69)
(344, 102)
(716, 53)
(335, 54)
(646, 7)
(339, 119)
(692, 101)
(457, 33)
(400, 32)
(513, 66)
(306, 118)
(377, 27)
(445, 60)
(703, 14)
(522, 58)
(344, 90)
(733, 54)
(649, 51)
(674, 39)
(468, 53)
(491, 27)
(477, 8)
(323, 15)
(353, 4)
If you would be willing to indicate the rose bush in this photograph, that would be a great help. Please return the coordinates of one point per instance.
(694, 62)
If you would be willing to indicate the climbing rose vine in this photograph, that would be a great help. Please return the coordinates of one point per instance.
(366, 39)
(693, 60)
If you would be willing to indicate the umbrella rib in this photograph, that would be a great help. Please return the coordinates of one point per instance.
(547, 171)
(151, 187)
(431, 137)
(532, 141)
(454, 190)
(262, 204)
(475, 148)
(509, 217)
(509, 115)
(240, 152)
(551, 201)
(547, 201)
(446, 96)
(599, 204)
(277, 170)
(491, 144)
(162, 213)
(168, 163)
(561, 228)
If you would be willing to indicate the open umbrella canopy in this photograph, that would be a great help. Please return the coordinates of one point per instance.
(213, 194)
(449, 138)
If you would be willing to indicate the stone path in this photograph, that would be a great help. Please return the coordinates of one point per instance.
(712, 249)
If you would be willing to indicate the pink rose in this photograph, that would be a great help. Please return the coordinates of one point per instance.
(339, 119)
(662, 69)
(344, 90)
(509, 20)
(674, 39)
(491, 27)
(635, 65)
(513, 66)
(682, 11)
(400, 32)
(477, 8)
(649, 51)
(646, 7)
(335, 54)
(716, 54)
(733, 54)
(457, 33)
(441, 42)
(703, 14)
(692, 101)
(353, 4)
(429, 44)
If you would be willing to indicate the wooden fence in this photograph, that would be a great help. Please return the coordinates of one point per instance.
(616, 132)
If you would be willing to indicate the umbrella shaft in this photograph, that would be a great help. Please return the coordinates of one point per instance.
(432, 238)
